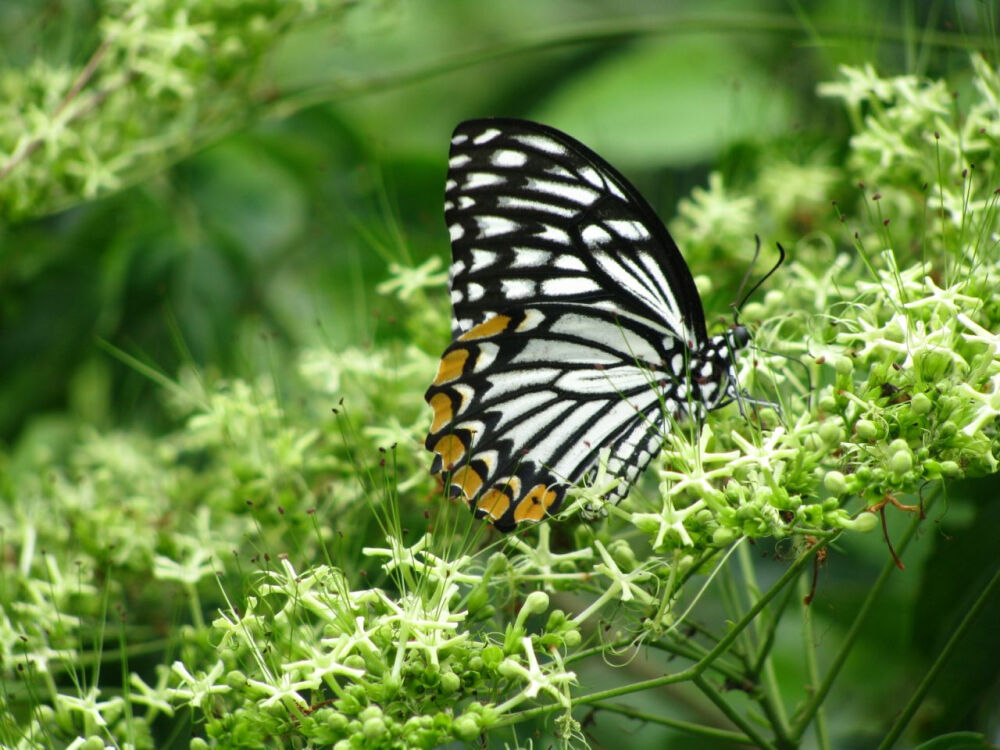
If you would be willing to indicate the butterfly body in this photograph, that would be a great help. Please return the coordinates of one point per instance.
(576, 325)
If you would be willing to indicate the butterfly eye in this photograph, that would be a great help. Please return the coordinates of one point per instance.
(575, 322)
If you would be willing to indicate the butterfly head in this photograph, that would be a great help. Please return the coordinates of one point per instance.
(715, 370)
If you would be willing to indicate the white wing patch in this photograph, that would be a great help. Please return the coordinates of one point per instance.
(478, 180)
(486, 136)
(491, 226)
(509, 159)
(541, 143)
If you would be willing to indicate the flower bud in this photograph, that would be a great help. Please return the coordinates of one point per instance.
(375, 728)
(950, 469)
(843, 365)
(536, 603)
(862, 522)
(450, 682)
(723, 536)
(920, 404)
(866, 429)
(835, 483)
(901, 463)
(466, 727)
(831, 433)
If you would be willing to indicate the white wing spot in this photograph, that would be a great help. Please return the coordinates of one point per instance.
(459, 139)
(448, 205)
(560, 172)
(594, 234)
(465, 393)
(567, 286)
(474, 292)
(456, 296)
(481, 259)
(450, 185)
(458, 161)
(455, 231)
(630, 230)
(554, 234)
(518, 288)
(591, 175)
(509, 159)
(677, 363)
(570, 263)
(489, 458)
(532, 318)
(506, 201)
(482, 179)
(574, 193)
(456, 268)
(486, 136)
(490, 226)
(487, 354)
(465, 201)
(541, 143)
(530, 257)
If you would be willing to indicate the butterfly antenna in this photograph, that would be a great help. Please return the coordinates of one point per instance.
(781, 259)
(746, 276)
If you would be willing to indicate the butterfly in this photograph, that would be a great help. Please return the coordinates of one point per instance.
(577, 330)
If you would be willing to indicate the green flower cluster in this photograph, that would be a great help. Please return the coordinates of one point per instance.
(401, 669)
(883, 368)
(874, 371)
(166, 76)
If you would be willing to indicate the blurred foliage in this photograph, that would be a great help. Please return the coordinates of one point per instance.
(200, 199)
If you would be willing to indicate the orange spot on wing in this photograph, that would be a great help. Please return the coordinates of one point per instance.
(532, 507)
(494, 502)
(451, 366)
(441, 404)
(491, 327)
(468, 480)
(451, 449)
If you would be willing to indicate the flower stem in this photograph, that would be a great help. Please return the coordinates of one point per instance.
(810, 709)
(683, 726)
(812, 667)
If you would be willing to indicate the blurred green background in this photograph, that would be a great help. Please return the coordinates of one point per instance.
(270, 231)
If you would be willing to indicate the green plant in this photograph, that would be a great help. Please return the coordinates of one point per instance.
(350, 606)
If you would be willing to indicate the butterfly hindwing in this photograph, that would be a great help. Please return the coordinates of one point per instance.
(524, 402)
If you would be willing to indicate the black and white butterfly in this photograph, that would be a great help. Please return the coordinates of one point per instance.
(576, 325)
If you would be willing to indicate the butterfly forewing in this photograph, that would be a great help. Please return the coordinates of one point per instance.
(535, 217)
(576, 324)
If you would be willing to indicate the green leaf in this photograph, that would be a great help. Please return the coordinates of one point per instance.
(955, 741)
(673, 102)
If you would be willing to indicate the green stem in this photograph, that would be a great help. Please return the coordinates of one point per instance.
(767, 642)
(770, 700)
(684, 726)
(694, 652)
(713, 695)
(918, 695)
(731, 601)
(812, 706)
(812, 667)
(720, 648)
